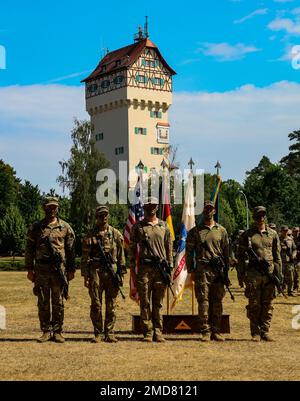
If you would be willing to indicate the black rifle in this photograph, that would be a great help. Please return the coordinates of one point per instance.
(57, 260)
(162, 265)
(38, 291)
(106, 262)
(263, 266)
(219, 265)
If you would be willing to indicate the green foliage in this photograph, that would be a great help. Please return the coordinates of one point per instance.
(12, 232)
(292, 161)
(9, 187)
(29, 202)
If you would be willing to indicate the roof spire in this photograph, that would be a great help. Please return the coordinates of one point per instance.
(146, 27)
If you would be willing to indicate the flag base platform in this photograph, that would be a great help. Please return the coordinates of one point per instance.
(180, 324)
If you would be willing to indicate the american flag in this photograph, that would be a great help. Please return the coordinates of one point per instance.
(136, 213)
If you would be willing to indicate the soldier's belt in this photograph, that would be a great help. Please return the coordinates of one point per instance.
(43, 261)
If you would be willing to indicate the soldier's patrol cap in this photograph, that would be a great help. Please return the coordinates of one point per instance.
(273, 226)
(208, 203)
(241, 232)
(284, 228)
(151, 200)
(259, 209)
(102, 209)
(50, 200)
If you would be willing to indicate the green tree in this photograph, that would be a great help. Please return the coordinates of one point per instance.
(79, 176)
(9, 187)
(292, 161)
(12, 232)
(29, 202)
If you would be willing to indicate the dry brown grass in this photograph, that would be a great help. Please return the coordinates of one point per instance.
(181, 358)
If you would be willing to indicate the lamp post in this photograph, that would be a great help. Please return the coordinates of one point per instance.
(247, 209)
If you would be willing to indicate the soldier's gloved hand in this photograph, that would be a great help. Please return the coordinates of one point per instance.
(30, 276)
(86, 282)
(70, 275)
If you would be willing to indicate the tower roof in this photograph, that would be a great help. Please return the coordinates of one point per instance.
(124, 58)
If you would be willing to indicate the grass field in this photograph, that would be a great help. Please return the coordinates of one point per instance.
(183, 357)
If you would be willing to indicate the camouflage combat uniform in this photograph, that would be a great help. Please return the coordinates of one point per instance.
(47, 283)
(101, 280)
(149, 280)
(209, 290)
(297, 264)
(259, 289)
(288, 254)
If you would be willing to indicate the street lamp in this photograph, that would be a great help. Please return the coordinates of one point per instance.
(247, 209)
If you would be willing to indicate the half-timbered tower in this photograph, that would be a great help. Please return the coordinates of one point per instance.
(128, 96)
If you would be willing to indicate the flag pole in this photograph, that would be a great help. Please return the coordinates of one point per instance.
(193, 298)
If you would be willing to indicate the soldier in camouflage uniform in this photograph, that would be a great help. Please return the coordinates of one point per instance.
(39, 263)
(151, 288)
(204, 242)
(296, 237)
(259, 289)
(97, 279)
(288, 255)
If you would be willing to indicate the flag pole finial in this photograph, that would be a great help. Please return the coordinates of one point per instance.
(191, 164)
(164, 164)
(218, 167)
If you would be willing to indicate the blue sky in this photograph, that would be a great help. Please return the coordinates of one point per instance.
(235, 91)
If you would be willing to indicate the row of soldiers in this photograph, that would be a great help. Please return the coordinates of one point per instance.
(290, 257)
(207, 259)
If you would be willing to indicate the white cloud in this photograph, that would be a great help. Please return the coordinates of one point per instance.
(227, 52)
(236, 127)
(285, 24)
(260, 11)
(35, 124)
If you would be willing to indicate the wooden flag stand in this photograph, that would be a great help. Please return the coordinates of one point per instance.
(180, 324)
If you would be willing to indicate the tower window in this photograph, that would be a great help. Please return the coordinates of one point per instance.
(156, 114)
(119, 151)
(140, 131)
(99, 137)
(143, 79)
(92, 88)
(158, 81)
(118, 79)
(157, 151)
(105, 84)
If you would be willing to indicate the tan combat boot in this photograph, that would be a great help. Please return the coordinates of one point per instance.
(110, 338)
(58, 338)
(148, 337)
(204, 337)
(46, 336)
(97, 339)
(267, 337)
(256, 338)
(158, 338)
(217, 337)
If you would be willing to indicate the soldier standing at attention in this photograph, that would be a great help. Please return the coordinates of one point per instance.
(288, 254)
(39, 261)
(259, 289)
(154, 239)
(97, 278)
(296, 238)
(206, 243)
